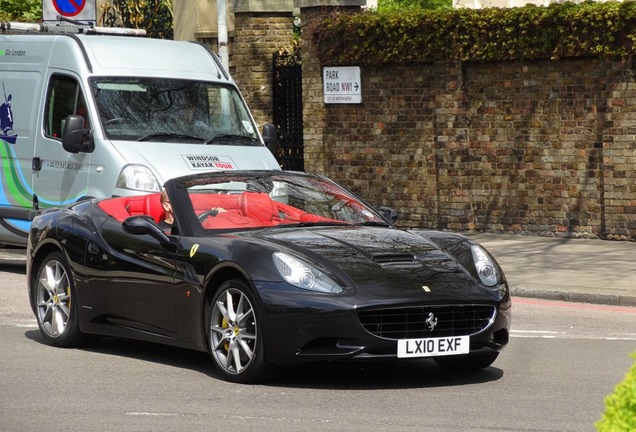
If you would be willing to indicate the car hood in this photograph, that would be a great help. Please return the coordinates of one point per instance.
(388, 262)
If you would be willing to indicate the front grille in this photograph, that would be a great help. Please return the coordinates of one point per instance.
(416, 322)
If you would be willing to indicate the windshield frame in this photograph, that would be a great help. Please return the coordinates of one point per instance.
(172, 110)
(276, 199)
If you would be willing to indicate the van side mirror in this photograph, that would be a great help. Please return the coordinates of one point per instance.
(270, 136)
(75, 138)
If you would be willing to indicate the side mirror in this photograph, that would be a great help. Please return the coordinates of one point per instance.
(270, 136)
(139, 225)
(388, 214)
(75, 138)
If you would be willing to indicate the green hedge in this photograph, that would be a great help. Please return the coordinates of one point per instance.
(477, 35)
(620, 406)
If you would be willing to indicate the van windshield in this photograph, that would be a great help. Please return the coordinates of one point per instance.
(172, 110)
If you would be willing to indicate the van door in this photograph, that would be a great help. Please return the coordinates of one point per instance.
(60, 177)
(19, 101)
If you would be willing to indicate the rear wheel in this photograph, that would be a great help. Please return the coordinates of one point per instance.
(467, 362)
(55, 306)
(235, 336)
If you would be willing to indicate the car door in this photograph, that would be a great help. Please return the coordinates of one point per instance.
(131, 279)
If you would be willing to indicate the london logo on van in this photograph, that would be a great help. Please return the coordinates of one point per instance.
(6, 118)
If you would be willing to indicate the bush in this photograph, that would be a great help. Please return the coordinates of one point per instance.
(491, 34)
(620, 406)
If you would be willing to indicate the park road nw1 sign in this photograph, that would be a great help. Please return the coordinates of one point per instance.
(79, 10)
(342, 84)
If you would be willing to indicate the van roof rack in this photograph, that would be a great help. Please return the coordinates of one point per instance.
(65, 25)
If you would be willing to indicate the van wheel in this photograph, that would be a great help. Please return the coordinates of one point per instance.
(55, 306)
(234, 334)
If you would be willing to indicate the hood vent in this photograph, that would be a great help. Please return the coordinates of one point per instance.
(395, 260)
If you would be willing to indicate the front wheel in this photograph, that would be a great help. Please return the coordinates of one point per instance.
(235, 336)
(55, 305)
(467, 362)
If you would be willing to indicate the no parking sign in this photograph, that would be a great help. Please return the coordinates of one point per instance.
(80, 10)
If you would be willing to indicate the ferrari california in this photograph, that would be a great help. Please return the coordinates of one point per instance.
(262, 269)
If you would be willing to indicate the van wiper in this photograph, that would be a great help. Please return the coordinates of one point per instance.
(169, 136)
(231, 138)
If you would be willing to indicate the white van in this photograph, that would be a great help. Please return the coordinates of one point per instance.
(92, 115)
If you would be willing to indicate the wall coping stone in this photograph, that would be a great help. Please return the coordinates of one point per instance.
(243, 6)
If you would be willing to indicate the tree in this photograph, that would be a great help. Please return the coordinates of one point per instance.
(21, 10)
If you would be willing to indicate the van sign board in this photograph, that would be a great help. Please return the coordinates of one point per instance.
(342, 84)
(81, 10)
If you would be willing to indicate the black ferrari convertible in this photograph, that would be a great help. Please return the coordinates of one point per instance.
(265, 268)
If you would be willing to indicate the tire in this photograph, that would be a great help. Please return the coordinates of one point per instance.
(54, 300)
(467, 362)
(234, 333)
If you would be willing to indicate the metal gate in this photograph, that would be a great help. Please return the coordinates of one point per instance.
(288, 110)
(155, 16)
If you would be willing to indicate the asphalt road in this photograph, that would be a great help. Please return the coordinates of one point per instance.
(563, 359)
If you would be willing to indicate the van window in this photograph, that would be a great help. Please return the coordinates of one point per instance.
(63, 99)
(172, 110)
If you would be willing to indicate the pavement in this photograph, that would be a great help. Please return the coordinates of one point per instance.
(568, 269)
(552, 268)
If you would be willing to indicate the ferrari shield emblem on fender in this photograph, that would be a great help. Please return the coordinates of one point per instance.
(193, 249)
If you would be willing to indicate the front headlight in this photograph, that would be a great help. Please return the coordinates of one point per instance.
(303, 275)
(137, 177)
(486, 268)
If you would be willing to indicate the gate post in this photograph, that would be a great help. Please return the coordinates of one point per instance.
(314, 110)
(260, 28)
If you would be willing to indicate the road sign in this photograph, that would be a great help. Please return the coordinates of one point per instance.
(81, 10)
(342, 84)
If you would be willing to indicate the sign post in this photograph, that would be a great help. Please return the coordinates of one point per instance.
(342, 84)
(79, 10)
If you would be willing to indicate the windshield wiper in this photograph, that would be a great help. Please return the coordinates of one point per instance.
(224, 138)
(312, 224)
(373, 223)
(169, 135)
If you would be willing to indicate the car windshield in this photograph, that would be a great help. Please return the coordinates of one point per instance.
(281, 200)
(172, 110)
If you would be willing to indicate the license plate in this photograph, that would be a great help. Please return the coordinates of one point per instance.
(433, 347)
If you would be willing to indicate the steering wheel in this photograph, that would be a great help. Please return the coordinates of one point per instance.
(203, 216)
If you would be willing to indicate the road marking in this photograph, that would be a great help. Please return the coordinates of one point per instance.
(546, 334)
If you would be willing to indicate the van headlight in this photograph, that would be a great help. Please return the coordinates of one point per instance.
(137, 177)
(485, 266)
(303, 275)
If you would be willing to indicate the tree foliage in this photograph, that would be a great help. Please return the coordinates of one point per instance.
(21, 10)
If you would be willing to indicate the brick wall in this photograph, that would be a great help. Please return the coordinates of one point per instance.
(256, 37)
(543, 148)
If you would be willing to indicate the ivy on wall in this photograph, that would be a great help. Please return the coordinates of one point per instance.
(477, 35)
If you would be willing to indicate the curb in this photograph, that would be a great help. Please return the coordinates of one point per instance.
(576, 297)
